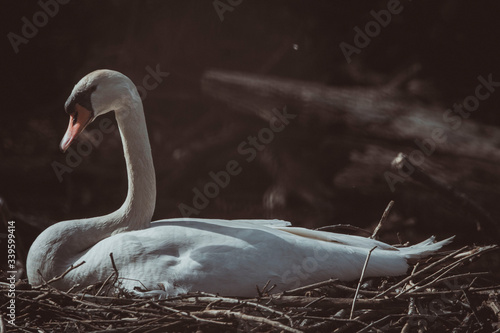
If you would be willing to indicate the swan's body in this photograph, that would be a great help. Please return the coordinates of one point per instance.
(180, 255)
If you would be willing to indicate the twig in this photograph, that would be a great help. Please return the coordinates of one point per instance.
(447, 269)
(114, 265)
(472, 307)
(335, 302)
(412, 273)
(452, 277)
(400, 283)
(315, 301)
(372, 325)
(261, 293)
(411, 312)
(382, 219)
(242, 302)
(361, 279)
(190, 315)
(361, 318)
(322, 326)
(309, 287)
(242, 316)
(353, 290)
(345, 227)
(57, 278)
(414, 286)
(105, 282)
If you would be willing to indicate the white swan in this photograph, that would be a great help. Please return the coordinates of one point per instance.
(186, 254)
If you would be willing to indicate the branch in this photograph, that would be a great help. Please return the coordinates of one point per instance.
(361, 279)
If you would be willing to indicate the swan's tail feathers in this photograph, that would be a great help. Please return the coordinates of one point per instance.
(424, 249)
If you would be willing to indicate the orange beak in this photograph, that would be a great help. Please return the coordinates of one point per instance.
(77, 123)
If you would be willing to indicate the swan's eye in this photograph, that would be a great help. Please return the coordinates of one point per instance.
(75, 118)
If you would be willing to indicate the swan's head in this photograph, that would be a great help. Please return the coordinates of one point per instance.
(97, 93)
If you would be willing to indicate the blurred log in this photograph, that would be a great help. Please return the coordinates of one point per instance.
(373, 125)
(374, 112)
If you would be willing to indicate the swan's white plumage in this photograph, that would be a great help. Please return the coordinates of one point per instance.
(172, 256)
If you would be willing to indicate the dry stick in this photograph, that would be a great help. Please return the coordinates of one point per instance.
(472, 282)
(491, 228)
(116, 275)
(412, 272)
(113, 263)
(182, 313)
(473, 308)
(382, 219)
(189, 315)
(479, 289)
(57, 278)
(446, 271)
(127, 329)
(309, 287)
(411, 312)
(261, 293)
(105, 282)
(98, 306)
(360, 318)
(163, 327)
(332, 319)
(242, 316)
(372, 325)
(353, 290)
(326, 321)
(452, 277)
(270, 289)
(447, 268)
(420, 272)
(228, 300)
(457, 276)
(422, 294)
(315, 301)
(343, 226)
(265, 286)
(80, 321)
(23, 329)
(395, 315)
(335, 302)
(211, 304)
(361, 279)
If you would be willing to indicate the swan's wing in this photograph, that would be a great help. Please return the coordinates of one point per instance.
(422, 249)
(265, 223)
(416, 251)
(349, 240)
(240, 222)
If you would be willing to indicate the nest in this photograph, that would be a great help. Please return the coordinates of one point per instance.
(439, 295)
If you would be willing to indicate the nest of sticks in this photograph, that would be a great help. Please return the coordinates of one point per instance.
(440, 295)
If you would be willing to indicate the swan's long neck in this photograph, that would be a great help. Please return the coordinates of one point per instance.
(64, 243)
(138, 208)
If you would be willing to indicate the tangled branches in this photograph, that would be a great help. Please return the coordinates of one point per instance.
(439, 295)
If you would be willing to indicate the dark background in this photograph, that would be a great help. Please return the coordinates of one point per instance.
(452, 42)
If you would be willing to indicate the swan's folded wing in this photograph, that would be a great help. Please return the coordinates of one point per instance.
(349, 240)
(265, 223)
(240, 222)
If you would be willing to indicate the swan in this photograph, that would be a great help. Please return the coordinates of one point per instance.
(179, 255)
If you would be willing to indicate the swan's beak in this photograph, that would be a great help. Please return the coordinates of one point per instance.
(77, 123)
